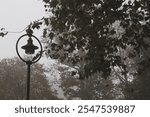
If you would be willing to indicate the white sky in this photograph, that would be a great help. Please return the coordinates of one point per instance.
(15, 15)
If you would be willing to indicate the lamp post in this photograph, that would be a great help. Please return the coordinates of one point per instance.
(29, 50)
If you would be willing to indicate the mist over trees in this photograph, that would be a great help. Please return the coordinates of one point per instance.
(105, 42)
(13, 77)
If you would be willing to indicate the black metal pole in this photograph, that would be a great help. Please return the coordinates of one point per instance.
(29, 50)
(28, 80)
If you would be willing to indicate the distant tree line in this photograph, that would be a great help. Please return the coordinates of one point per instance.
(13, 80)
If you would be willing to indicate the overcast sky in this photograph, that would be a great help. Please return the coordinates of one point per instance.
(15, 15)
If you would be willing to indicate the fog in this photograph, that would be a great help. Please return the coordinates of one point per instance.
(15, 15)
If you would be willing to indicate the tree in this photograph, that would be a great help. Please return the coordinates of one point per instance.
(93, 88)
(83, 30)
(137, 28)
(13, 81)
(141, 82)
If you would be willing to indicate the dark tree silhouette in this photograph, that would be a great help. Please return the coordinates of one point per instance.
(85, 30)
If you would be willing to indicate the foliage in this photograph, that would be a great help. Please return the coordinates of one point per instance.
(13, 81)
(137, 30)
(3, 32)
(142, 86)
(83, 30)
(91, 35)
(141, 82)
(93, 88)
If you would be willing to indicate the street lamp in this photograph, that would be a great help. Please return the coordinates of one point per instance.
(29, 50)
